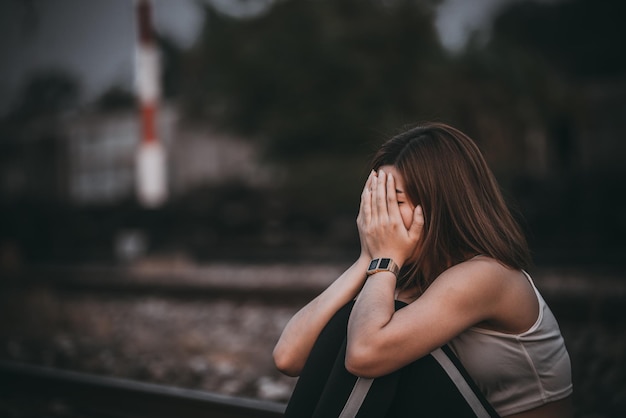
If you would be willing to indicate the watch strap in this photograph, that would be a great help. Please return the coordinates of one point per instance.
(378, 265)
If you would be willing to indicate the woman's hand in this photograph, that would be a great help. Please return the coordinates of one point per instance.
(381, 229)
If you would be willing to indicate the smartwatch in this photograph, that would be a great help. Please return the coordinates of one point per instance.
(382, 264)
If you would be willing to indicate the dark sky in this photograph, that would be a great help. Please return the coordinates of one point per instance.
(94, 39)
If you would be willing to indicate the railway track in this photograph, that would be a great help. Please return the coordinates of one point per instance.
(270, 284)
(571, 296)
(32, 391)
(228, 318)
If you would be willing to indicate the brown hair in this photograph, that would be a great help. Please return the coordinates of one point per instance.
(464, 211)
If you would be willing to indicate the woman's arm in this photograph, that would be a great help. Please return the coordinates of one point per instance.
(301, 332)
(381, 340)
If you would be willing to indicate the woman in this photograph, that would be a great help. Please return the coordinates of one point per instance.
(432, 208)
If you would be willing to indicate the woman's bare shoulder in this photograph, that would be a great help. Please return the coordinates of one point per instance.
(480, 279)
(479, 271)
(503, 294)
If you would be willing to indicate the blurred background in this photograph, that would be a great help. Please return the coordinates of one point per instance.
(168, 168)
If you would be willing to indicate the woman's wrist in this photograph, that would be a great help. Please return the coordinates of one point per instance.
(359, 268)
(364, 259)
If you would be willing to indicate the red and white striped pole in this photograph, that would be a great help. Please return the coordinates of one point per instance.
(151, 169)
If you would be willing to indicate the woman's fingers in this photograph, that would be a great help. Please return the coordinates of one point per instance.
(365, 210)
(374, 198)
(365, 214)
(380, 203)
(415, 231)
(389, 203)
(392, 199)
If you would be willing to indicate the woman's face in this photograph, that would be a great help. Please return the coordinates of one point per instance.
(404, 204)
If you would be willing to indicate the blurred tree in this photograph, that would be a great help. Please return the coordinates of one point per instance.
(583, 38)
(315, 77)
(116, 98)
(47, 93)
(318, 82)
(562, 64)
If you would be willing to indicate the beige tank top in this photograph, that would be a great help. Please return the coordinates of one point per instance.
(518, 372)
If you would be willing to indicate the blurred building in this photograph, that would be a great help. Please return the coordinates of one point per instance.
(200, 156)
(88, 158)
(100, 156)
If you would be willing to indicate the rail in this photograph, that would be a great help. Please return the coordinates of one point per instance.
(38, 391)
(573, 294)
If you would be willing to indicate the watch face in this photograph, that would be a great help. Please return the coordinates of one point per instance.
(373, 264)
(384, 263)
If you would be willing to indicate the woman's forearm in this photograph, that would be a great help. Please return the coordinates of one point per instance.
(301, 332)
(373, 310)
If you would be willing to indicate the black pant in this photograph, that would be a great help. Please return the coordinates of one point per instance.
(435, 385)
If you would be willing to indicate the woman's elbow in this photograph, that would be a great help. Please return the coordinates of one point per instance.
(286, 363)
(361, 361)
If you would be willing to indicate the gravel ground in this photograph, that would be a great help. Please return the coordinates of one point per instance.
(217, 345)
(224, 345)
